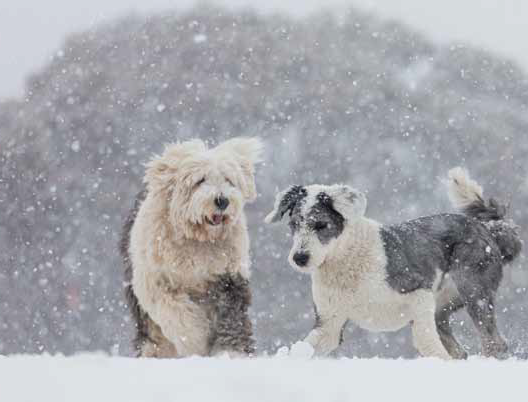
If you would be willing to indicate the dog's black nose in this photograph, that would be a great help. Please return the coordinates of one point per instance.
(301, 259)
(221, 202)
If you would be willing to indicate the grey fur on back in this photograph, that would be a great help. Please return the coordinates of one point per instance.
(415, 249)
(140, 317)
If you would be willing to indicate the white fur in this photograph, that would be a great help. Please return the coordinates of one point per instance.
(462, 190)
(174, 249)
(349, 280)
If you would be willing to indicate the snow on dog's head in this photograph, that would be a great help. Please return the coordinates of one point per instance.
(318, 215)
(204, 190)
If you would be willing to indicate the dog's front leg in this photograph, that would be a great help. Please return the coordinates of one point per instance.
(232, 332)
(182, 322)
(327, 334)
(425, 335)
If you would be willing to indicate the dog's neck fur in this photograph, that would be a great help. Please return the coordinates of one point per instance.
(158, 248)
(359, 242)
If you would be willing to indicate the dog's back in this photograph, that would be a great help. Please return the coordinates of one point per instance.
(139, 316)
(419, 248)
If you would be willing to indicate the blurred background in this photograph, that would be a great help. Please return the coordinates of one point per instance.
(384, 95)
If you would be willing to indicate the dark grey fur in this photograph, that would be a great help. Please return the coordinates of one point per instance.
(140, 317)
(445, 332)
(226, 301)
(472, 248)
(318, 322)
(416, 248)
(323, 213)
(292, 199)
(322, 218)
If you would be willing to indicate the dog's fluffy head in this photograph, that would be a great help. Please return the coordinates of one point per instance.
(204, 190)
(318, 215)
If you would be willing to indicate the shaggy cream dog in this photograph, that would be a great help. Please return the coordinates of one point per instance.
(186, 250)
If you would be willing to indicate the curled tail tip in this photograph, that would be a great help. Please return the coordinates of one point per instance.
(457, 173)
(463, 191)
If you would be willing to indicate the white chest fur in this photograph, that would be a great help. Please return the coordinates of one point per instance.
(157, 251)
(353, 284)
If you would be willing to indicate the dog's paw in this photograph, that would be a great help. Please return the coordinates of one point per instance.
(459, 354)
(497, 349)
(299, 350)
(302, 350)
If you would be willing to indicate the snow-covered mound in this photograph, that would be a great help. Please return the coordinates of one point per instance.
(94, 378)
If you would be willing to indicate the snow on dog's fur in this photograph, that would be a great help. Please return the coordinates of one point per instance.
(186, 250)
(385, 277)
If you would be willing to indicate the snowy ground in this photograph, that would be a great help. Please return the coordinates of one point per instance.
(98, 378)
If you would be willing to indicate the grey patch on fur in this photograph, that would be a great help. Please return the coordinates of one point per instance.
(227, 300)
(141, 319)
(323, 212)
(473, 249)
(292, 199)
(485, 212)
(318, 323)
(413, 254)
(506, 234)
(443, 326)
(322, 219)
(342, 333)
(415, 249)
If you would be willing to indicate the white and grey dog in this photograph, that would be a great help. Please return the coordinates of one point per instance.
(385, 277)
(186, 250)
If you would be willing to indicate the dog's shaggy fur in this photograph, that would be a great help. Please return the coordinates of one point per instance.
(186, 251)
(418, 272)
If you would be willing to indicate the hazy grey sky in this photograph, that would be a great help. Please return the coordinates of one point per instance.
(30, 30)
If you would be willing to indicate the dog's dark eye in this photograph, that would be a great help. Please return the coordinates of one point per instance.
(202, 181)
(230, 182)
(320, 226)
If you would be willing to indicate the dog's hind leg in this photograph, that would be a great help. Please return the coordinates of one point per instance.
(447, 302)
(443, 312)
(426, 338)
(479, 301)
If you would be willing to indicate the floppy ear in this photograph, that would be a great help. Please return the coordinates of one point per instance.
(248, 152)
(161, 169)
(284, 202)
(348, 201)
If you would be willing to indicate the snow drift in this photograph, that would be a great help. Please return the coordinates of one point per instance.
(103, 379)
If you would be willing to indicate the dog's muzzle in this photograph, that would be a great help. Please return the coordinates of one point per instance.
(217, 219)
(301, 258)
(221, 202)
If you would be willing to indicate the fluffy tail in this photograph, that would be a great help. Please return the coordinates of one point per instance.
(466, 196)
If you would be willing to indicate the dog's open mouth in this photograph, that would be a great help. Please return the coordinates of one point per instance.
(217, 219)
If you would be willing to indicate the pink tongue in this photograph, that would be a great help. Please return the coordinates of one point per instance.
(217, 219)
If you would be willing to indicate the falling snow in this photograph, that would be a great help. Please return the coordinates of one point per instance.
(351, 99)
